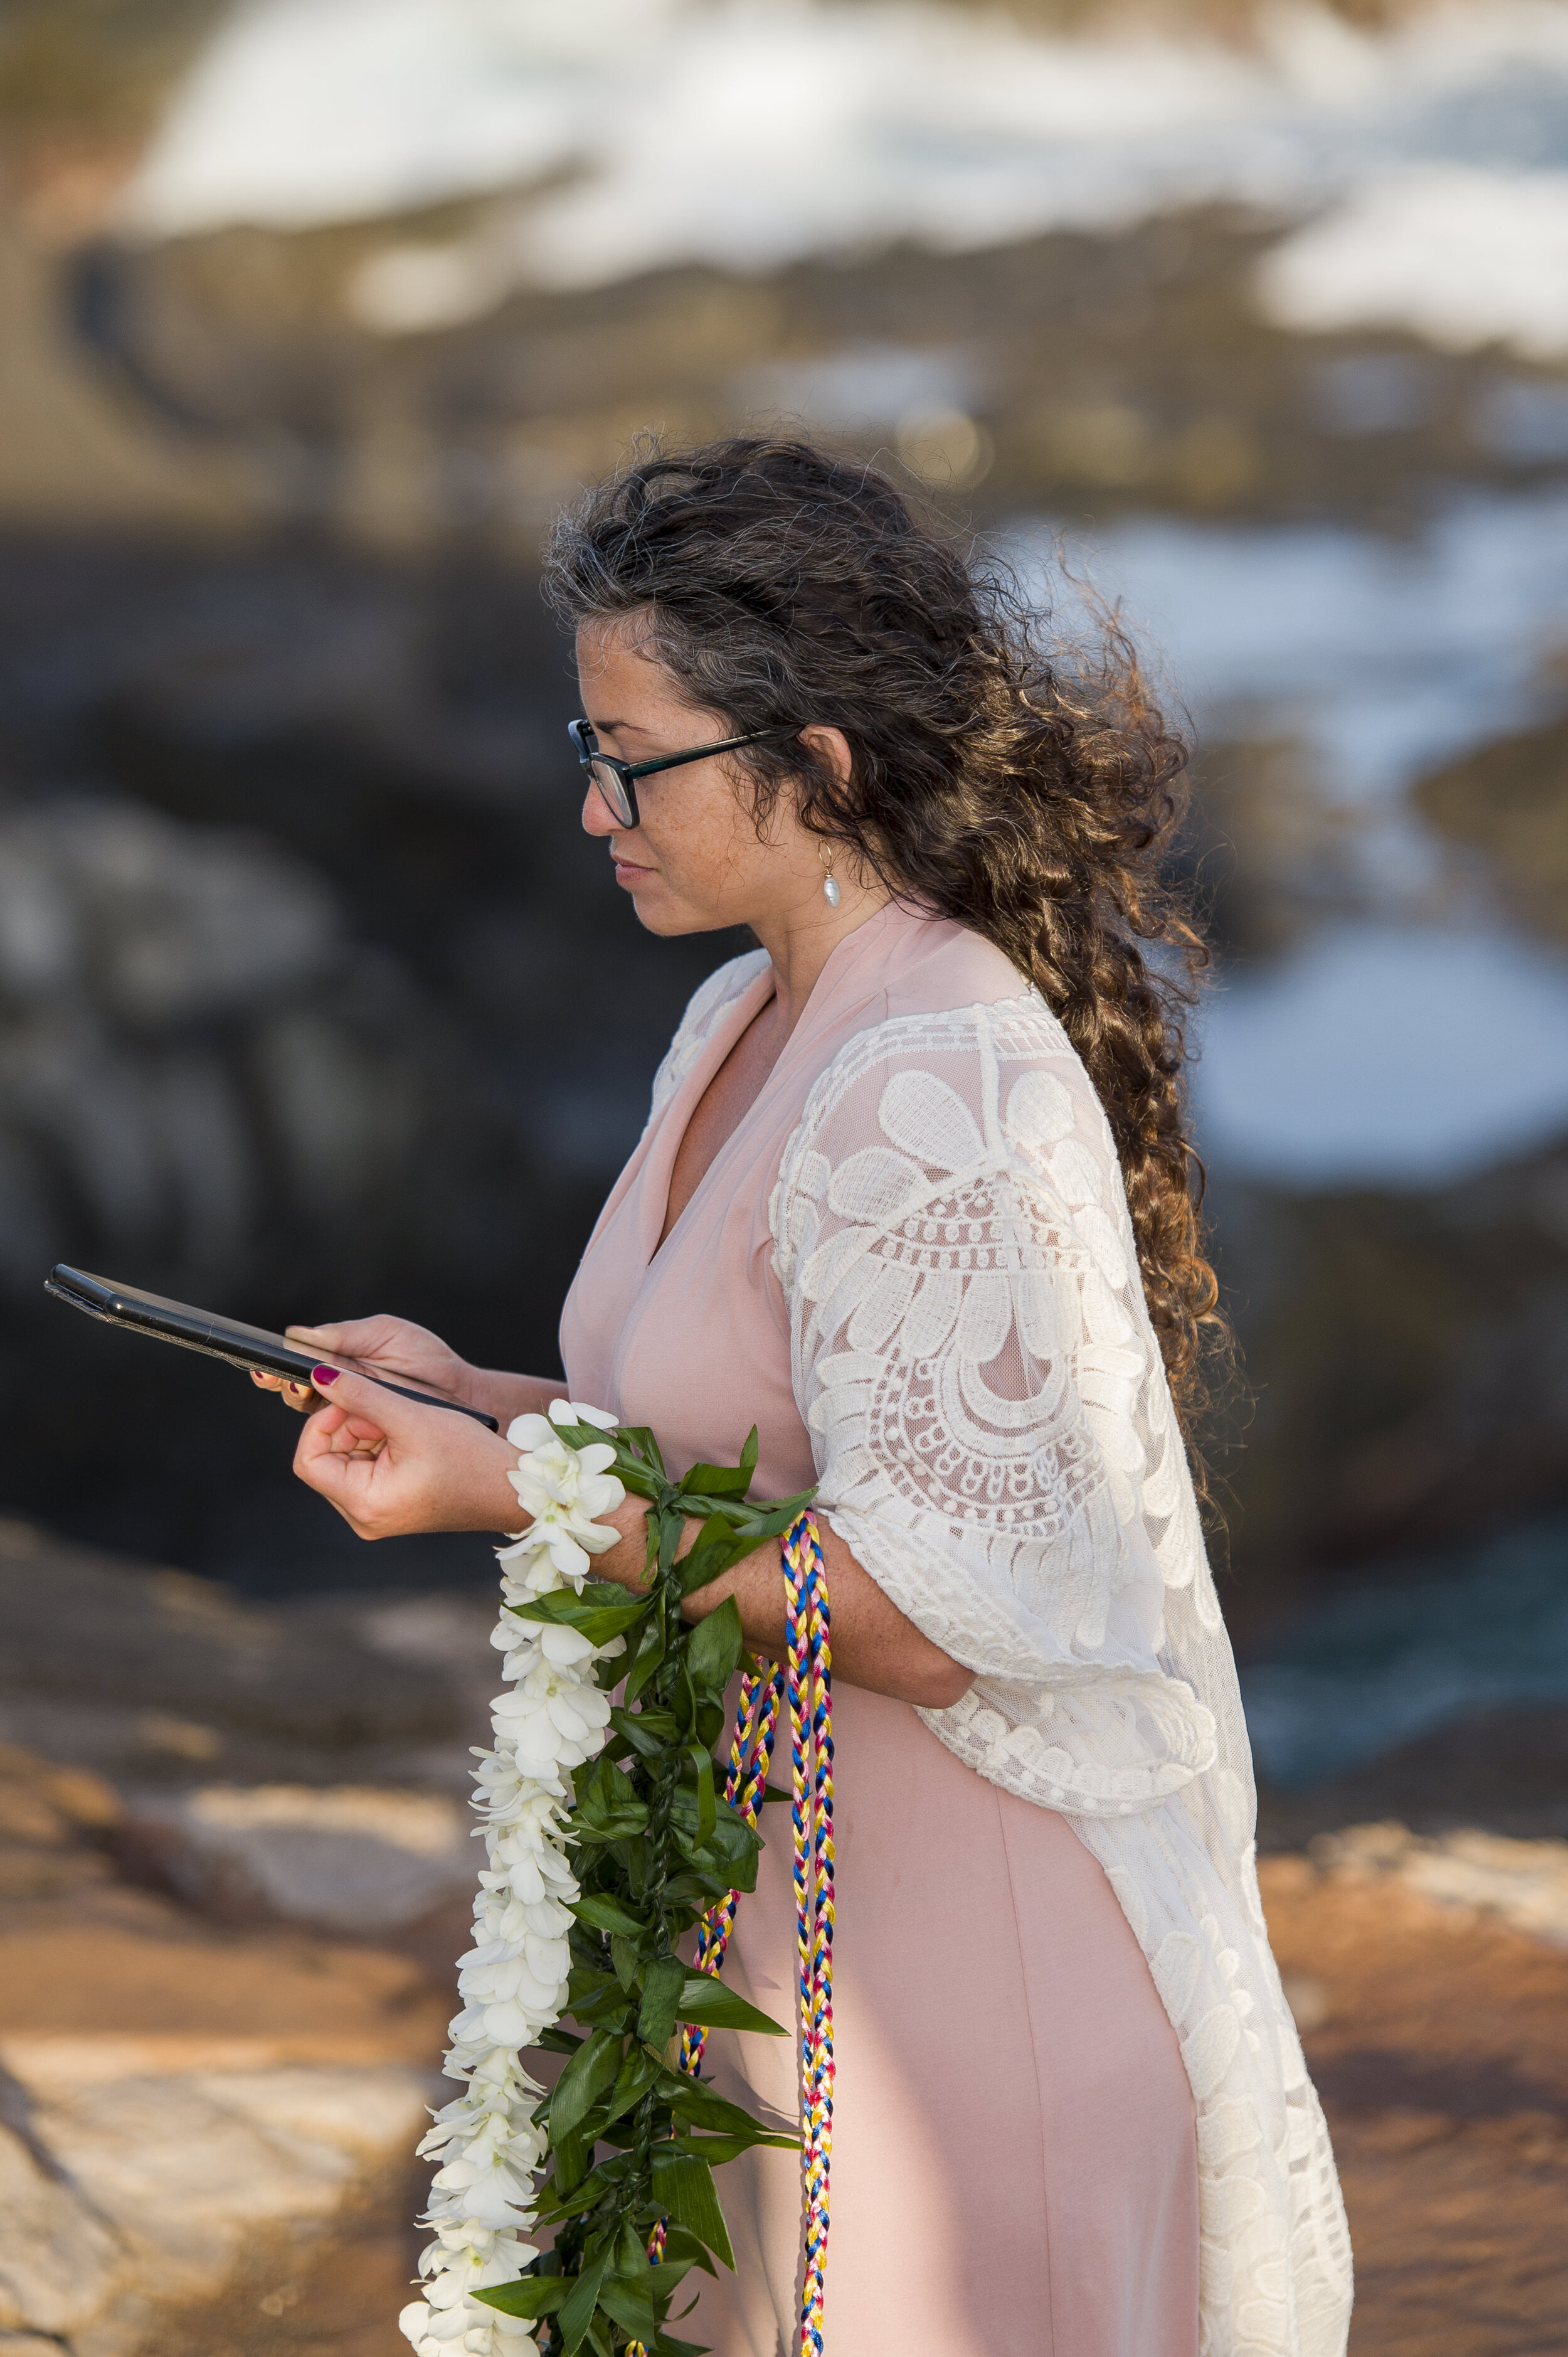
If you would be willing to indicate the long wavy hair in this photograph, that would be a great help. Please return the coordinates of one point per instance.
(1027, 791)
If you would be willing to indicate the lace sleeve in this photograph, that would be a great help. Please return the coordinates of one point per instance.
(973, 1359)
(995, 1441)
(703, 1009)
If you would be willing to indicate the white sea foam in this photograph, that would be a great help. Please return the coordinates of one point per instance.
(1463, 258)
(751, 132)
(1379, 658)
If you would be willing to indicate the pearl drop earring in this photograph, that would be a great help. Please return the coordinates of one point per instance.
(830, 881)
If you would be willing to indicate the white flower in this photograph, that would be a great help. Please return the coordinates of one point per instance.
(573, 1412)
(514, 1980)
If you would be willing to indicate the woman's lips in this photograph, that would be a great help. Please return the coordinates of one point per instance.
(628, 874)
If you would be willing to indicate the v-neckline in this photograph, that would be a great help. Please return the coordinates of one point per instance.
(668, 1225)
(658, 1167)
(738, 1017)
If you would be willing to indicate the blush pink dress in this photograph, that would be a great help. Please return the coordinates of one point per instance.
(1015, 2167)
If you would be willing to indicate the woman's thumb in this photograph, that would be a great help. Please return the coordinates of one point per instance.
(355, 1394)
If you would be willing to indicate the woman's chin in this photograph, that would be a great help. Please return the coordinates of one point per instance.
(660, 910)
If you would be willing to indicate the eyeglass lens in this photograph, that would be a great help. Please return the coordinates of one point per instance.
(616, 800)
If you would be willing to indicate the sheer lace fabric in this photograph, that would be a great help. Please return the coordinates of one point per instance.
(995, 1441)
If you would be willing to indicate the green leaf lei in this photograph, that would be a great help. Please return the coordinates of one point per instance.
(656, 1845)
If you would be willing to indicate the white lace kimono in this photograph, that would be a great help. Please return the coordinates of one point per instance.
(995, 1441)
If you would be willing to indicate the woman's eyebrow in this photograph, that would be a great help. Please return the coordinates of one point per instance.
(616, 728)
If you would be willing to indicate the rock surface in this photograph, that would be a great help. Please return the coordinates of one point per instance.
(206, 2137)
(157, 1680)
(1439, 2053)
(1522, 1883)
(351, 1858)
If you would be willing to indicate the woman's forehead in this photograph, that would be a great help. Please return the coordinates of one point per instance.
(624, 680)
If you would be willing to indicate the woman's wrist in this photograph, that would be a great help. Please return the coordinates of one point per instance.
(627, 1561)
(496, 1392)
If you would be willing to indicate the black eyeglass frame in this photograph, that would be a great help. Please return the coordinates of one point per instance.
(625, 773)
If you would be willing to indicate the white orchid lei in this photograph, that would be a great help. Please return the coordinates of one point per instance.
(514, 1980)
(554, 1821)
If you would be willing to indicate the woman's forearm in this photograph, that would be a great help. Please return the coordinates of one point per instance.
(505, 1395)
(873, 1645)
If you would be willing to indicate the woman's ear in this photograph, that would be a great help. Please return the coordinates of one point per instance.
(832, 747)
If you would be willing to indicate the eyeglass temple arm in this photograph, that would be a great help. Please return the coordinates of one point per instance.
(698, 752)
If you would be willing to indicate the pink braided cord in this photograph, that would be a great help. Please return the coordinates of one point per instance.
(810, 1686)
(806, 1679)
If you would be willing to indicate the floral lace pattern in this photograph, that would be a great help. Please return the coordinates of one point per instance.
(995, 1440)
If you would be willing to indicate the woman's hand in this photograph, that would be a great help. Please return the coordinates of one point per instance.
(412, 1354)
(390, 1466)
(388, 1346)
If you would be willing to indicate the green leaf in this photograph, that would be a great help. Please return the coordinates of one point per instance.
(576, 2312)
(770, 1522)
(601, 1612)
(706, 2000)
(645, 1732)
(597, 2000)
(558, 2042)
(572, 2158)
(714, 1646)
(708, 1806)
(724, 1480)
(588, 2075)
(631, 2309)
(587, 2191)
(696, 2103)
(607, 1914)
(634, 1441)
(637, 2074)
(649, 1655)
(608, 1807)
(713, 1552)
(623, 1956)
(628, 2296)
(534, 2296)
(684, 2185)
(661, 1992)
(682, 2249)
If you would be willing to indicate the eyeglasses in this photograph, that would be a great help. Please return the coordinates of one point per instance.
(617, 780)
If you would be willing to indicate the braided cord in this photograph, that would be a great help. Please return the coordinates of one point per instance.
(750, 1756)
(809, 1684)
(806, 1679)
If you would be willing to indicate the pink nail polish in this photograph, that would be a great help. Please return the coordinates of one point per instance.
(322, 1376)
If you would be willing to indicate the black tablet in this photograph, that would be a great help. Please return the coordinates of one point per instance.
(218, 1338)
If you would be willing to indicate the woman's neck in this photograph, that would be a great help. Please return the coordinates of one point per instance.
(800, 942)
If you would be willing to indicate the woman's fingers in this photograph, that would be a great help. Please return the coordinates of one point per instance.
(360, 1338)
(389, 1466)
(300, 1397)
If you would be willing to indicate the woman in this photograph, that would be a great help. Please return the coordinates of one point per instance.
(914, 1197)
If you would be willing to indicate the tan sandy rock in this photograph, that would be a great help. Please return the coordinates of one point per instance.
(351, 1858)
(177, 2173)
(206, 2137)
(1524, 1882)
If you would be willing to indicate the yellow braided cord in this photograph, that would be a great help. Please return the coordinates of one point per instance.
(809, 1685)
(806, 1679)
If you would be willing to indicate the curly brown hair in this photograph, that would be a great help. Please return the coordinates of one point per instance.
(1027, 794)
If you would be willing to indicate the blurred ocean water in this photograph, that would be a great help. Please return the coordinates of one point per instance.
(1388, 1049)
(1382, 655)
(1375, 1669)
(750, 134)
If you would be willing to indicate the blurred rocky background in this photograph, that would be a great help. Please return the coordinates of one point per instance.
(314, 1001)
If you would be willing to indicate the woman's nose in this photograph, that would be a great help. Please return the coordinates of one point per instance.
(596, 818)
